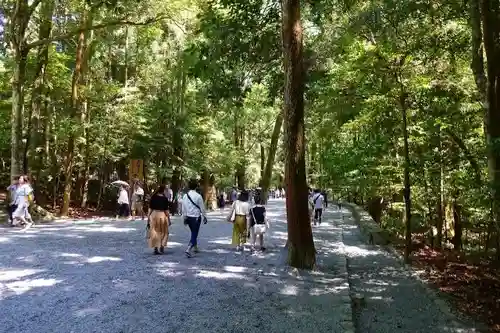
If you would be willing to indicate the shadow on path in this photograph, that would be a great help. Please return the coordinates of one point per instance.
(101, 277)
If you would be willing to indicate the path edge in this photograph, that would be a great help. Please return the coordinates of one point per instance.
(435, 295)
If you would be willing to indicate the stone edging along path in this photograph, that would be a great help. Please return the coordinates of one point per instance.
(366, 224)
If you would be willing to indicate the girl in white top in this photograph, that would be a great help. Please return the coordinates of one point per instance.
(241, 220)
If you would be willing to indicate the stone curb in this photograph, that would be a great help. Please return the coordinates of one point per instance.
(433, 294)
(347, 321)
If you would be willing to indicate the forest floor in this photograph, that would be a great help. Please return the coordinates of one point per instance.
(471, 284)
(393, 298)
(90, 275)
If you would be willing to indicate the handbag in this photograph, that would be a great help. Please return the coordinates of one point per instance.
(203, 218)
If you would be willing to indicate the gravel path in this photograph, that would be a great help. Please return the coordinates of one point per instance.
(100, 277)
(395, 300)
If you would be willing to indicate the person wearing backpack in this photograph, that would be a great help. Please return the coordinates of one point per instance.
(193, 211)
(318, 201)
(11, 199)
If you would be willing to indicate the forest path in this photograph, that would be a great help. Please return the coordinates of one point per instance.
(99, 276)
(395, 300)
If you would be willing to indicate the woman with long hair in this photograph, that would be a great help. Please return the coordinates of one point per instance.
(158, 217)
(259, 224)
(241, 212)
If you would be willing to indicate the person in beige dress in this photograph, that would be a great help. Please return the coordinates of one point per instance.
(158, 217)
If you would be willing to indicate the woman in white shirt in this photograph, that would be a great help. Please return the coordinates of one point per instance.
(123, 203)
(241, 224)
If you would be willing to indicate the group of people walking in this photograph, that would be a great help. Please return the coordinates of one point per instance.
(193, 211)
(20, 197)
(248, 222)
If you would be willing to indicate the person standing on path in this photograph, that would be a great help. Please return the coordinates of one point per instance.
(234, 196)
(193, 210)
(241, 225)
(179, 202)
(23, 194)
(259, 223)
(158, 221)
(318, 201)
(11, 198)
(169, 193)
(123, 203)
(221, 201)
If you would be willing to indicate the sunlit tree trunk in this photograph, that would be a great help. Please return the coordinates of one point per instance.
(76, 105)
(271, 155)
(262, 161)
(36, 138)
(18, 23)
(178, 137)
(490, 19)
(301, 251)
(406, 171)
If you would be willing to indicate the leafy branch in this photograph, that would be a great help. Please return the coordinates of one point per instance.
(120, 22)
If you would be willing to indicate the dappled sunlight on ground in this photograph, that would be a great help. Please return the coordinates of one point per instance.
(101, 276)
(394, 301)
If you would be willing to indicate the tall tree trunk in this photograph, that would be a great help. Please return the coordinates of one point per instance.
(271, 155)
(18, 24)
(440, 204)
(36, 138)
(457, 226)
(301, 251)
(490, 12)
(86, 149)
(241, 164)
(312, 163)
(205, 180)
(262, 162)
(76, 104)
(18, 83)
(407, 186)
(126, 56)
(178, 138)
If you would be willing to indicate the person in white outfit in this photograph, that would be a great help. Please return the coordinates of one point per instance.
(193, 211)
(123, 203)
(23, 192)
(318, 202)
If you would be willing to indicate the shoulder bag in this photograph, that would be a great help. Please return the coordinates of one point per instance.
(203, 217)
